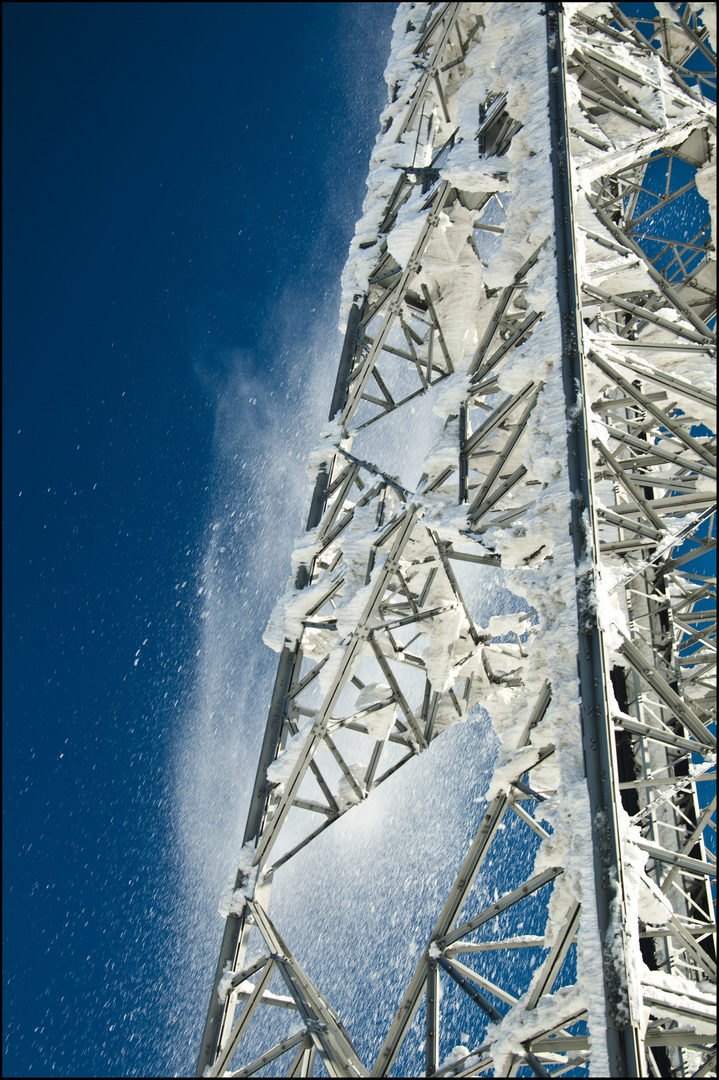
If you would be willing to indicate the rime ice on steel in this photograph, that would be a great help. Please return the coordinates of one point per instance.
(525, 397)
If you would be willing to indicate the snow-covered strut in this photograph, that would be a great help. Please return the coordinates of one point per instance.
(525, 390)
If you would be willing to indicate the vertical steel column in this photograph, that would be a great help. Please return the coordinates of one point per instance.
(623, 1049)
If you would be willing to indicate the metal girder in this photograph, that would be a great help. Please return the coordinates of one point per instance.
(575, 349)
(668, 724)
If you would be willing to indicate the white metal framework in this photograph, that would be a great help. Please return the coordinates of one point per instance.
(536, 251)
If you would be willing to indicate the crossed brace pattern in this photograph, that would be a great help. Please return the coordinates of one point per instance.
(377, 588)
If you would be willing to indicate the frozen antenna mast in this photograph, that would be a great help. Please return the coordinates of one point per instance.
(512, 517)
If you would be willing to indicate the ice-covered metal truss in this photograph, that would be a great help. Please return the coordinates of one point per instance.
(536, 261)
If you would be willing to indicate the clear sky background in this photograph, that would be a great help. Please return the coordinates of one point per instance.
(181, 183)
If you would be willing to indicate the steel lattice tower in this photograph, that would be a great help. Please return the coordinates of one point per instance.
(536, 255)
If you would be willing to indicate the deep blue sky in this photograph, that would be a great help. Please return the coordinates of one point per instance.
(181, 183)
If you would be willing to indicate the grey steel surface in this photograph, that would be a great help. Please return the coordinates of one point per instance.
(629, 99)
(598, 743)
